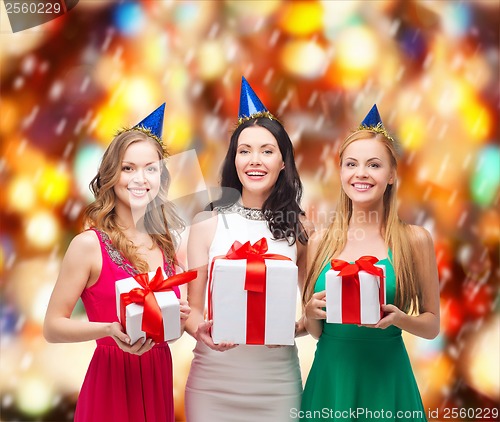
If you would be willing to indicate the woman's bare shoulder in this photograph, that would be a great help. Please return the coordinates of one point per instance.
(86, 241)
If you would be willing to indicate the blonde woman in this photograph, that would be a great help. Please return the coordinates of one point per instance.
(129, 232)
(363, 372)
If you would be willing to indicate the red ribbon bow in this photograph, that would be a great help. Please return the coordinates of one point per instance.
(255, 285)
(351, 294)
(152, 320)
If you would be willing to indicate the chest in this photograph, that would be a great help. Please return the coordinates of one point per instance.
(233, 227)
(153, 257)
(362, 245)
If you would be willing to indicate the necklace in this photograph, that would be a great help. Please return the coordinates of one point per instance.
(237, 208)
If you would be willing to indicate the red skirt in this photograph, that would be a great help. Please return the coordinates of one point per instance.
(123, 387)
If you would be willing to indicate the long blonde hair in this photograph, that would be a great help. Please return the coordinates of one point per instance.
(160, 219)
(395, 232)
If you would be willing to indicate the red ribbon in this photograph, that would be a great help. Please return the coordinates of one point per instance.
(255, 285)
(351, 293)
(152, 320)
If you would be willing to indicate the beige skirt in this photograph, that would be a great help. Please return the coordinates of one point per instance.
(247, 383)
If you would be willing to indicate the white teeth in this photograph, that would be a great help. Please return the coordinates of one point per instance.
(362, 186)
(138, 191)
(255, 173)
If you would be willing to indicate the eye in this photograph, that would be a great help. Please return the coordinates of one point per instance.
(127, 169)
(268, 151)
(350, 164)
(374, 165)
(243, 151)
(152, 169)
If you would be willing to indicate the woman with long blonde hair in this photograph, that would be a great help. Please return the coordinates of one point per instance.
(129, 230)
(363, 372)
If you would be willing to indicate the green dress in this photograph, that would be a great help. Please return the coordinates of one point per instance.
(361, 373)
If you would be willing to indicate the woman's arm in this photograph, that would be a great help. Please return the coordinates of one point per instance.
(200, 238)
(300, 329)
(80, 268)
(313, 311)
(426, 324)
(203, 227)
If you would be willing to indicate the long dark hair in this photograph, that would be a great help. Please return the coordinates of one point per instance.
(282, 208)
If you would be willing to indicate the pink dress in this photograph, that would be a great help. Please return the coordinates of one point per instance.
(120, 386)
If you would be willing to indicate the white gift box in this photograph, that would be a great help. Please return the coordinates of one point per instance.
(369, 312)
(229, 301)
(169, 305)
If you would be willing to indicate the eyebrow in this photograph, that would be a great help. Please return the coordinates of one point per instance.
(369, 159)
(147, 164)
(262, 146)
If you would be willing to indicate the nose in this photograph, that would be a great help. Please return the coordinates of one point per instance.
(255, 158)
(361, 171)
(139, 177)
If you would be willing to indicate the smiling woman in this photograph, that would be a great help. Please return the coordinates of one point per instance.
(258, 163)
(243, 383)
(342, 378)
(366, 171)
(131, 196)
(129, 232)
(139, 181)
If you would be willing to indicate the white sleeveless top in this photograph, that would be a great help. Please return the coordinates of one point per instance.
(248, 383)
(246, 225)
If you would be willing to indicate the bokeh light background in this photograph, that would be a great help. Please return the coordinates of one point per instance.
(431, 66)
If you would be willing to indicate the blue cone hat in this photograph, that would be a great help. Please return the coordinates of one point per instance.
(373, 118)
(373, 122)
(152, 126)
(153, 123)
(250, 105)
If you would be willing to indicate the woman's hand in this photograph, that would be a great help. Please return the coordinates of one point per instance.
(300, 329)
(185, 311)
(392, 316)
(314, 314)
(314, 308)
(203, 334)
(140, 347)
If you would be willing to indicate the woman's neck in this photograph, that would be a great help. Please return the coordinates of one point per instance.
(364, 217)
(131, 222)
(138, 235)
(252, 200)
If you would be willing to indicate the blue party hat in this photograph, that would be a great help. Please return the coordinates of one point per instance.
(373, 122)
(250, 105)
(152, 126)
(372, 119)
(153, 123)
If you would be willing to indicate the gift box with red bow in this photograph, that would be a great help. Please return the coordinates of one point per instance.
(355, 292)
(252, 296)
(147, 307)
